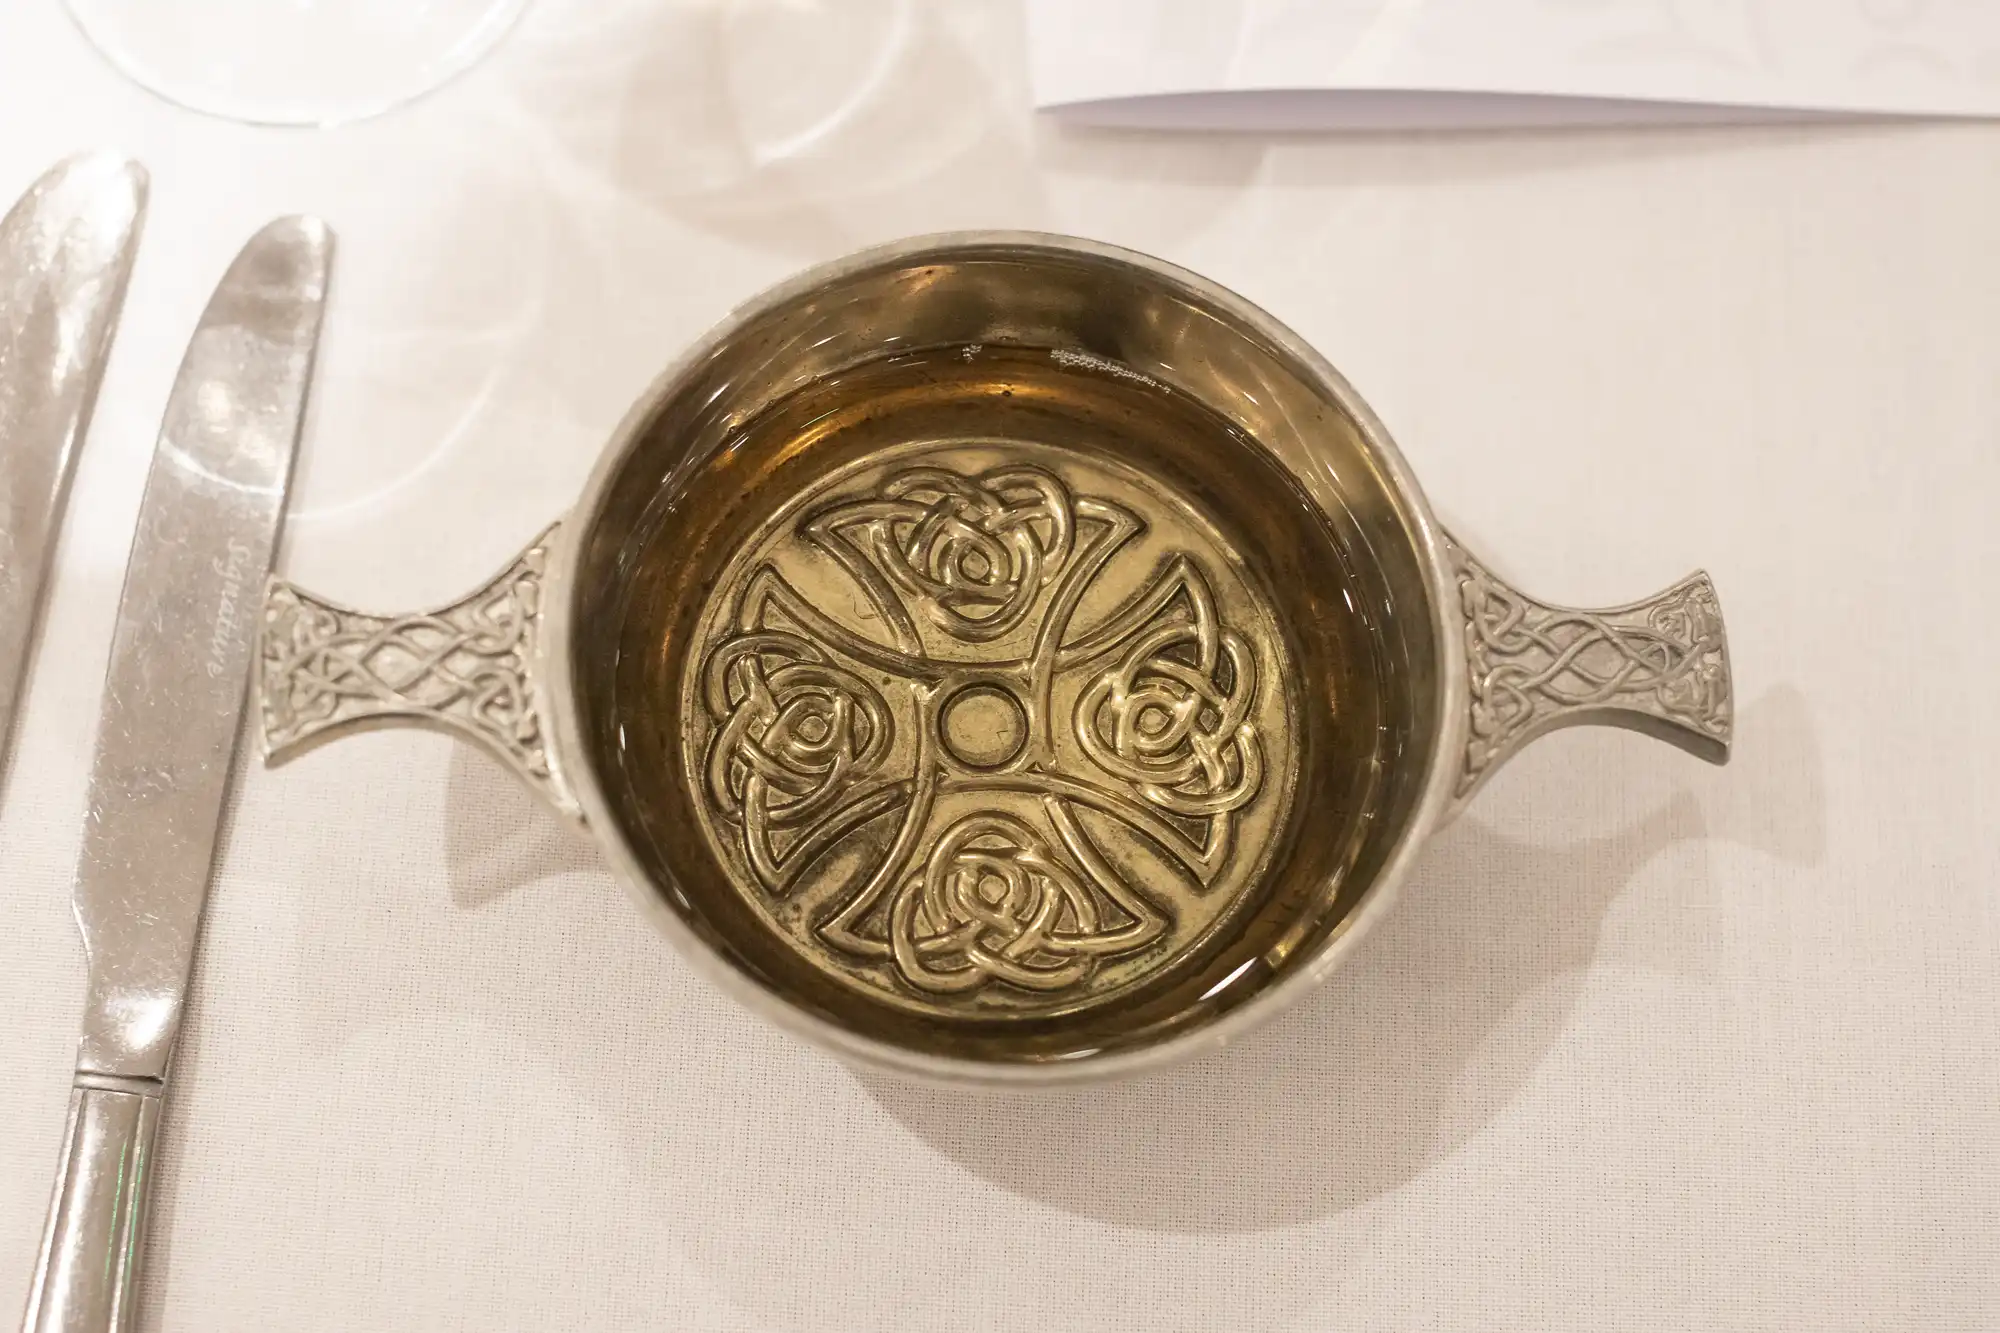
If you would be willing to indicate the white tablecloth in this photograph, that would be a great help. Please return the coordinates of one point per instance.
(1646, 1045)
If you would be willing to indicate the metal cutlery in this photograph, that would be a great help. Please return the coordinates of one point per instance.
(66, 253)
(174, 695)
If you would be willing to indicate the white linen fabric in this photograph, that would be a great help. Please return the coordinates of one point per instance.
(1645, 1045)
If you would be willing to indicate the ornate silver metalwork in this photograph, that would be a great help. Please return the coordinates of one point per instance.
(463, 668)
(907, 717)
(1660, 666)
(951, 717)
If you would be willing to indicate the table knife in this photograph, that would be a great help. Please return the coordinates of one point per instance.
(174, 695)
(65, 256)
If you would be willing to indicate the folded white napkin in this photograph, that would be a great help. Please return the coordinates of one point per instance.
(1359, 64)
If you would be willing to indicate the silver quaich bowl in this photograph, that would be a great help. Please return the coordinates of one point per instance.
(1003, 658)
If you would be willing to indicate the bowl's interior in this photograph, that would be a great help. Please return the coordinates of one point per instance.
(1006, 652)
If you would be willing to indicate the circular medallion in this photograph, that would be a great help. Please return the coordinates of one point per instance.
(990, 729)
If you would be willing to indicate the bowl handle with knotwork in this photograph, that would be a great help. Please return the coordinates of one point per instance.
(468, 669)
(1659, 666)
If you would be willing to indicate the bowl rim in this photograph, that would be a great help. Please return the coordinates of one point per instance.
(558, 693)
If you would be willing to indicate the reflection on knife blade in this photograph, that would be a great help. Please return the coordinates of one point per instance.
(66, 253)
(166, 743)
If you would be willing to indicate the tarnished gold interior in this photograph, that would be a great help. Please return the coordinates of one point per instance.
(995, 727)
(1010, 653)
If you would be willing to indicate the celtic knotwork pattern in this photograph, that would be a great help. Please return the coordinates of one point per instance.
(992, 903)
(1172, 717)
(971, 552)
(1535, 666)
(463, 667)
(793, 734)
(969, 712)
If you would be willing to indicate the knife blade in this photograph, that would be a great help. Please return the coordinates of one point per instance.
(186, 631)
(173, 706)
(66, 252)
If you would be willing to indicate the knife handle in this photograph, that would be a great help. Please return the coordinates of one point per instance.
(87, 1279)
